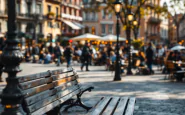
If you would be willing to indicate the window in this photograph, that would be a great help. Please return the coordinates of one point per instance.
(57, 25)
(103, 14)
(0, 28)
(39, 28)
(28, 8)
(49, 8)
(65, 11)
(110, 15)
(18, 8)
(93, 30)
(110, 29)
(49, 24)
(56, 11)
(19, 26)
(39, 8)
(103, 29)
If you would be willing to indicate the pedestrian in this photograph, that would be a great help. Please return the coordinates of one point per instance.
(35, 52)
(47, 58)
(68, 55)
(1, 68)
(41, 57)
(57, 53)
(149, 57)
(51, 50)
(85, 56)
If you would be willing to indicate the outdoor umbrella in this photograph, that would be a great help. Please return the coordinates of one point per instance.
(177, 48)
(86, 37)
(112, 38)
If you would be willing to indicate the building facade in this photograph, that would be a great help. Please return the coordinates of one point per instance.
(103, 22)
(152, 22)
(47, 20)
(28, 13)
(52, 22)
(71, 13)
(172, 32)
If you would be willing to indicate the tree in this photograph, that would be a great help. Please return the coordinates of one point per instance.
(137, 7)
(175, 10)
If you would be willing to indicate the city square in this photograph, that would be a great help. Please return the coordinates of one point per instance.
(100, 57)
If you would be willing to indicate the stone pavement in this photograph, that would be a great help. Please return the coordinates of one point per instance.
(154, 96)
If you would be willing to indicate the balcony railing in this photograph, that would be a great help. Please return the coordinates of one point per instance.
(154, 20)
(76, 6)
(154, 36)
(30, 16)
(79, 18)
(91, 19)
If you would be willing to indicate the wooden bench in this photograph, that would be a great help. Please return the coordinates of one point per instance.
(114, 106)
(47, 92)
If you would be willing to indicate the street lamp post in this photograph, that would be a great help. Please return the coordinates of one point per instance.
(128, 32)
(117, 7)
(12, 95)
(135, 23)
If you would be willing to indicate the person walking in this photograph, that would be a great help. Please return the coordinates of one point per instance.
(57, 53)
(1, 68)
(68, 55)
(35, 52)
(51, 50)
(149, 57)
(85, 56)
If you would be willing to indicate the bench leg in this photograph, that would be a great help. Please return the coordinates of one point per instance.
(78, 102)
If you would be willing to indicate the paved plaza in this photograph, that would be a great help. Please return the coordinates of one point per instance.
(154, 95)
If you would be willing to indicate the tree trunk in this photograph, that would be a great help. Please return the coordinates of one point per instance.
(177, 33)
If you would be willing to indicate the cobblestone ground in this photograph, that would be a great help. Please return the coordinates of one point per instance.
(154, 96)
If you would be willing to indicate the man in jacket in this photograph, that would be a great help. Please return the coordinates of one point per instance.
(57, 53)
(86, 56)
(149, 57)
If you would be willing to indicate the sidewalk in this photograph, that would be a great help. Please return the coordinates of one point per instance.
(154, 96)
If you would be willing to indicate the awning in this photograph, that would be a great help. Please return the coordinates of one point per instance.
(72, 25)
(79, 25)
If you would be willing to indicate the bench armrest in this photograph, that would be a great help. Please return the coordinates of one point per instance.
(85, 88)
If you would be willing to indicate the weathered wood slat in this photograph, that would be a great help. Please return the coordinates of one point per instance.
(111, 107)
(121, 106)
(42, 75)
(101, 106)
(54, 104)
(40, 96)
(34, 83)
(59, 71)
(35, 90)
(46, 101)
(33, 77)
(130, 107)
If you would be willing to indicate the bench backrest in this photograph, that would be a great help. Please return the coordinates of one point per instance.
(46, 90)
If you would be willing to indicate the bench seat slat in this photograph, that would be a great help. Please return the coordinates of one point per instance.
(130, 108)
(48, 100)
(45, 94)
(33, 77)
(54, 104)
(42, 75)
(101, 106)
(34, 83)
(45, 87)
(121, 106)
(111, 107)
